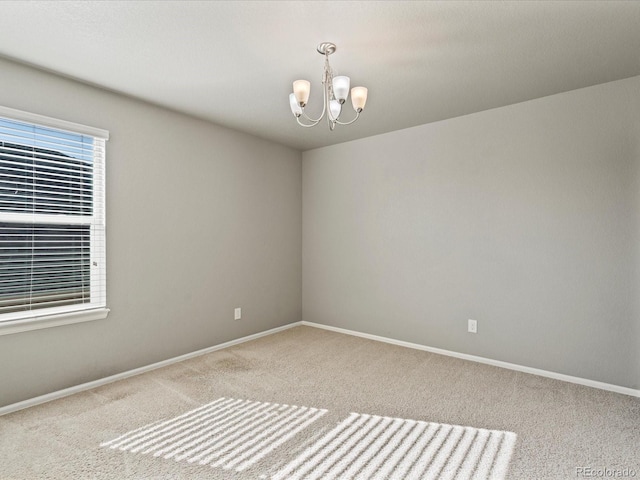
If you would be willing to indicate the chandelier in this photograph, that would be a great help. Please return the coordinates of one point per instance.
(335, 91)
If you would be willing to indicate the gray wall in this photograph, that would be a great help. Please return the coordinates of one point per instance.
(525, 218)
(200, 219)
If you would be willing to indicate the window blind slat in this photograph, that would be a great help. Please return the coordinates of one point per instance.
(26, 164)
(25, 132)
(13, 152)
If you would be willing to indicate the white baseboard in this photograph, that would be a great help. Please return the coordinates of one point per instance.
(137, 371)
(14, 407)
(496, 363)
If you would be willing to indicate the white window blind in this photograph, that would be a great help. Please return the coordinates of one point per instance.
(52, 217)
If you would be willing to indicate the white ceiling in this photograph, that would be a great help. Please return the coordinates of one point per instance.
(233, 62)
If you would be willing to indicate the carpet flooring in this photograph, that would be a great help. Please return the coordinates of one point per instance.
(310, 404)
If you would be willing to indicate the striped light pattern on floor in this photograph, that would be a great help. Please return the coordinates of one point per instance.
(226, 433)
(369, 447)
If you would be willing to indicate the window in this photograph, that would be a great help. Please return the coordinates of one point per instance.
(52, 222)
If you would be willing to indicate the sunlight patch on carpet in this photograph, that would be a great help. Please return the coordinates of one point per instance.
(372, 447)
(235, 434)
(226, 433)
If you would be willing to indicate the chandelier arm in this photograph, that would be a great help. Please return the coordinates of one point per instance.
(305, 125)
(316, 120)
(350, 122)
(324, 109)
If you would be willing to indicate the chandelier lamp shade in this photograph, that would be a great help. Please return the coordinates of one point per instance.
(335, 90)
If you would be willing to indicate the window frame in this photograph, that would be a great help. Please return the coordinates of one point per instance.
(63, 315)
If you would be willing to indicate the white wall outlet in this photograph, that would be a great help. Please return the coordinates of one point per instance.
(472, 326)
(237, 314)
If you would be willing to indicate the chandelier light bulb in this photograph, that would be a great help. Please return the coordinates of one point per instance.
(296, 109)
(359, 98)
(341, 88)
(301, 89)
(335, 108)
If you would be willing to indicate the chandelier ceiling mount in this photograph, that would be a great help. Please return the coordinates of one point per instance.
(326, 48)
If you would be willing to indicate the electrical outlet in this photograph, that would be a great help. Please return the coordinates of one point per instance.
(237, 314)
(472, 326)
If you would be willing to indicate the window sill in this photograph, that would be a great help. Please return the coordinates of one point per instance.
(47, 321)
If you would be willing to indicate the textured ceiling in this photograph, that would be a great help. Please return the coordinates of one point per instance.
(233, 62)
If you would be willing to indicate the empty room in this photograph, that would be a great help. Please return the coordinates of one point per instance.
(319, 240)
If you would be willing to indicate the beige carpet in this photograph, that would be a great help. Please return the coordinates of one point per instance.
(311, 404)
